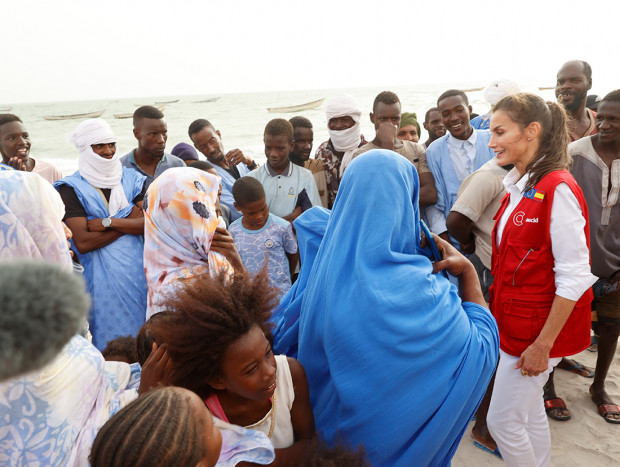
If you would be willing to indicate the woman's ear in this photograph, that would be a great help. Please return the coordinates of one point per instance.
(532, 131)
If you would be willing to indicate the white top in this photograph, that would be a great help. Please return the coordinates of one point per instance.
(568, 240)
(284, 396)
(462, 154)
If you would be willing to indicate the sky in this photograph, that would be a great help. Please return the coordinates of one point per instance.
(85, 50)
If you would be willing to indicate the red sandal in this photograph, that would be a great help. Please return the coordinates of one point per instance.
(556, 403)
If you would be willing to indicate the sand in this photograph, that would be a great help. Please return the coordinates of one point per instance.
(584, 440)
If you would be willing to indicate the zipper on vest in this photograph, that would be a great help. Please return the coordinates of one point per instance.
(524, 258)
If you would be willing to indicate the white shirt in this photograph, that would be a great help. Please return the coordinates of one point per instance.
(568, 240)
(462, 155)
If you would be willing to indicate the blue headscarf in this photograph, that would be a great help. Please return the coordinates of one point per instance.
(394, 360)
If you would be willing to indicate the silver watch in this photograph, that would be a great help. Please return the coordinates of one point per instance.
(107, 222)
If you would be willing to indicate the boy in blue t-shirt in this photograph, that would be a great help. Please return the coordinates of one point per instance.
(263, 238)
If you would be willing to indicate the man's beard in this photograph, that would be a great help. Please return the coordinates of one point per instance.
(578, 101)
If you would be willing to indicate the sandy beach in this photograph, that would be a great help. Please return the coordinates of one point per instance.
(585, 440)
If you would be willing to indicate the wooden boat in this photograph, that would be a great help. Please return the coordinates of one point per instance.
(472, 89)
(296, 108)
(166, 102)
(130, 114)
(545, 88)
(204, 101)
(125, 115)
(5, 109)
(96, 114)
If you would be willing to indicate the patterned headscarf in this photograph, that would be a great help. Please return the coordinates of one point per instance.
(31, 212)
(179, 223)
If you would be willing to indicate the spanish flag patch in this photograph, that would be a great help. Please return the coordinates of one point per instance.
(535, 195)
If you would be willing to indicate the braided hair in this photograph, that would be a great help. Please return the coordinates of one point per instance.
(157, 429)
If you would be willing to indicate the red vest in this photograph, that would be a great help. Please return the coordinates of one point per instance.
(522, 266)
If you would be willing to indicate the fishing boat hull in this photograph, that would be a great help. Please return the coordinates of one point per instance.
(130, 114)
(204, 101)
(297, 108)
(96, 114)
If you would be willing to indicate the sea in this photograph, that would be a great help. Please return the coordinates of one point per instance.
(241, 118)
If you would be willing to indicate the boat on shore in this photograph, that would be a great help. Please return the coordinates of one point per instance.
(166, 102)
(296, 108)
(545, 88)
(5, 109)
(95, 114)
(204, 101)
(472, 89)
(130, 114)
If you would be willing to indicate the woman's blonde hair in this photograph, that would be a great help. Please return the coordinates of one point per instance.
(525, 108)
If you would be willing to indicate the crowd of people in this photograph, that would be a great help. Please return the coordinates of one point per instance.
(195, 308)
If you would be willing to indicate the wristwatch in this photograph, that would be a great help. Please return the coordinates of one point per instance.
(107, 222)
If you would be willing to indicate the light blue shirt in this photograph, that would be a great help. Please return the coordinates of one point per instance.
(441, 156)
(282, 191)
(268, 245)
(167, 161)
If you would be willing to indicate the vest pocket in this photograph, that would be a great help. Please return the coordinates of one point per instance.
(524, 264)
(524, 319)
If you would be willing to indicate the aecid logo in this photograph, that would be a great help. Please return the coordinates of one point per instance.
(518, 218)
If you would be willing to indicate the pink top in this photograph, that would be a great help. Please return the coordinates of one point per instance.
(213, 403)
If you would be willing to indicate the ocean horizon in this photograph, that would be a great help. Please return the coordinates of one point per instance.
(240, 117)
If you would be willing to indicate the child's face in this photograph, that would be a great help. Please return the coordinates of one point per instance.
(277, 149)
(249, 367)
(255, 214)
(211, 436)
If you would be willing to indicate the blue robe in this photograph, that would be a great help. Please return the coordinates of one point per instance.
(395, 361)
(115, 273)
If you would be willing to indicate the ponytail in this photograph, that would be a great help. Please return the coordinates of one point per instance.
(525, 108)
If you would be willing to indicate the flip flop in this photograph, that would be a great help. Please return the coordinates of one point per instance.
(593, 344)
(578, 369)
(556, 403)
(609, 409)
(496, 453)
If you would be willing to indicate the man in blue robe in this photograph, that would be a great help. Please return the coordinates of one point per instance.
(453, 157)
(103, 203)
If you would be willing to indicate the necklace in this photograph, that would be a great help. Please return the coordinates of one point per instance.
(273, 415)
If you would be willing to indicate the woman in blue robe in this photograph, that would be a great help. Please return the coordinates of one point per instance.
(395, 360)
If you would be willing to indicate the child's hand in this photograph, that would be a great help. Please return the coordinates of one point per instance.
(156, 370)
(224, 244)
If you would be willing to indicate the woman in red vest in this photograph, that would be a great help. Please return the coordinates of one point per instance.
(541, 263)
